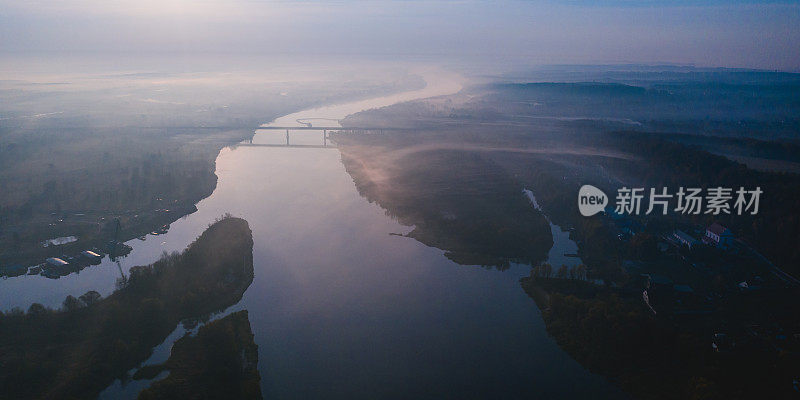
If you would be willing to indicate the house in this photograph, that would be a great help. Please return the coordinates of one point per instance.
(56, 262)
(91, 256)
(55, 265)
(684, 238)
(718, 235)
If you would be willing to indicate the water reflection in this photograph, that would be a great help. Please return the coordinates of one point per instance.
(340, 307)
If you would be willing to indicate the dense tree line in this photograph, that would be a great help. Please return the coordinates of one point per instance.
(775, 230)
(81, 349)
(219, 362)
(458, 201)
(651, 356)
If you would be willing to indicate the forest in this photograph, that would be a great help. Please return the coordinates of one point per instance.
(460, 202)
(653, 356)
(219, 362)
(551, 138)
(77, 351)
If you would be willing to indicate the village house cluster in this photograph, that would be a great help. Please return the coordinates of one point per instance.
(715, 235)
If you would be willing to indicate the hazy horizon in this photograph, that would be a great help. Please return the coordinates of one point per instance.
(740, 34)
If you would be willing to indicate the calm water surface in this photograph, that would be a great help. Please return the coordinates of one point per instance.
(342, 308)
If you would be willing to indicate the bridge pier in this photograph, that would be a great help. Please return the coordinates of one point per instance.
(287, 137)
(324, 137)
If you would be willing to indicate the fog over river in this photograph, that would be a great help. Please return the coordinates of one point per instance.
(339, 306)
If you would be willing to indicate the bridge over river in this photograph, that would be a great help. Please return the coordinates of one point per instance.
(324, 129)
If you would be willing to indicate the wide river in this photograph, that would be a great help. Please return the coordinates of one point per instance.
(339, 306)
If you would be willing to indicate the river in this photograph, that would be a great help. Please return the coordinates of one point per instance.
(339, 306)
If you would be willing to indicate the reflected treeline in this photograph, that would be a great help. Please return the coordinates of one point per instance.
(219, 362)
(458, 201)
(79, 350)
(661, 320)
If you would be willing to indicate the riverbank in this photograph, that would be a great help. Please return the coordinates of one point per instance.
(336, 294)
(722, 328)
(457, 201)
(80, 349)
(109, 160)
(219, 362)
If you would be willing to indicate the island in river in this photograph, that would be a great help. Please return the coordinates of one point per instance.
(79, 350)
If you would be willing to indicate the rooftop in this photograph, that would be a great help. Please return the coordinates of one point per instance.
(684, 236)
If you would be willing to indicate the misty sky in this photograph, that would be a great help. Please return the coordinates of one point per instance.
(704, 33)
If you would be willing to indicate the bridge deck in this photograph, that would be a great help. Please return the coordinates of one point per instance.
(333, 128)
(299, 146)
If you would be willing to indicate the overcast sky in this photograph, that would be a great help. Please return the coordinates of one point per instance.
(704, 33)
